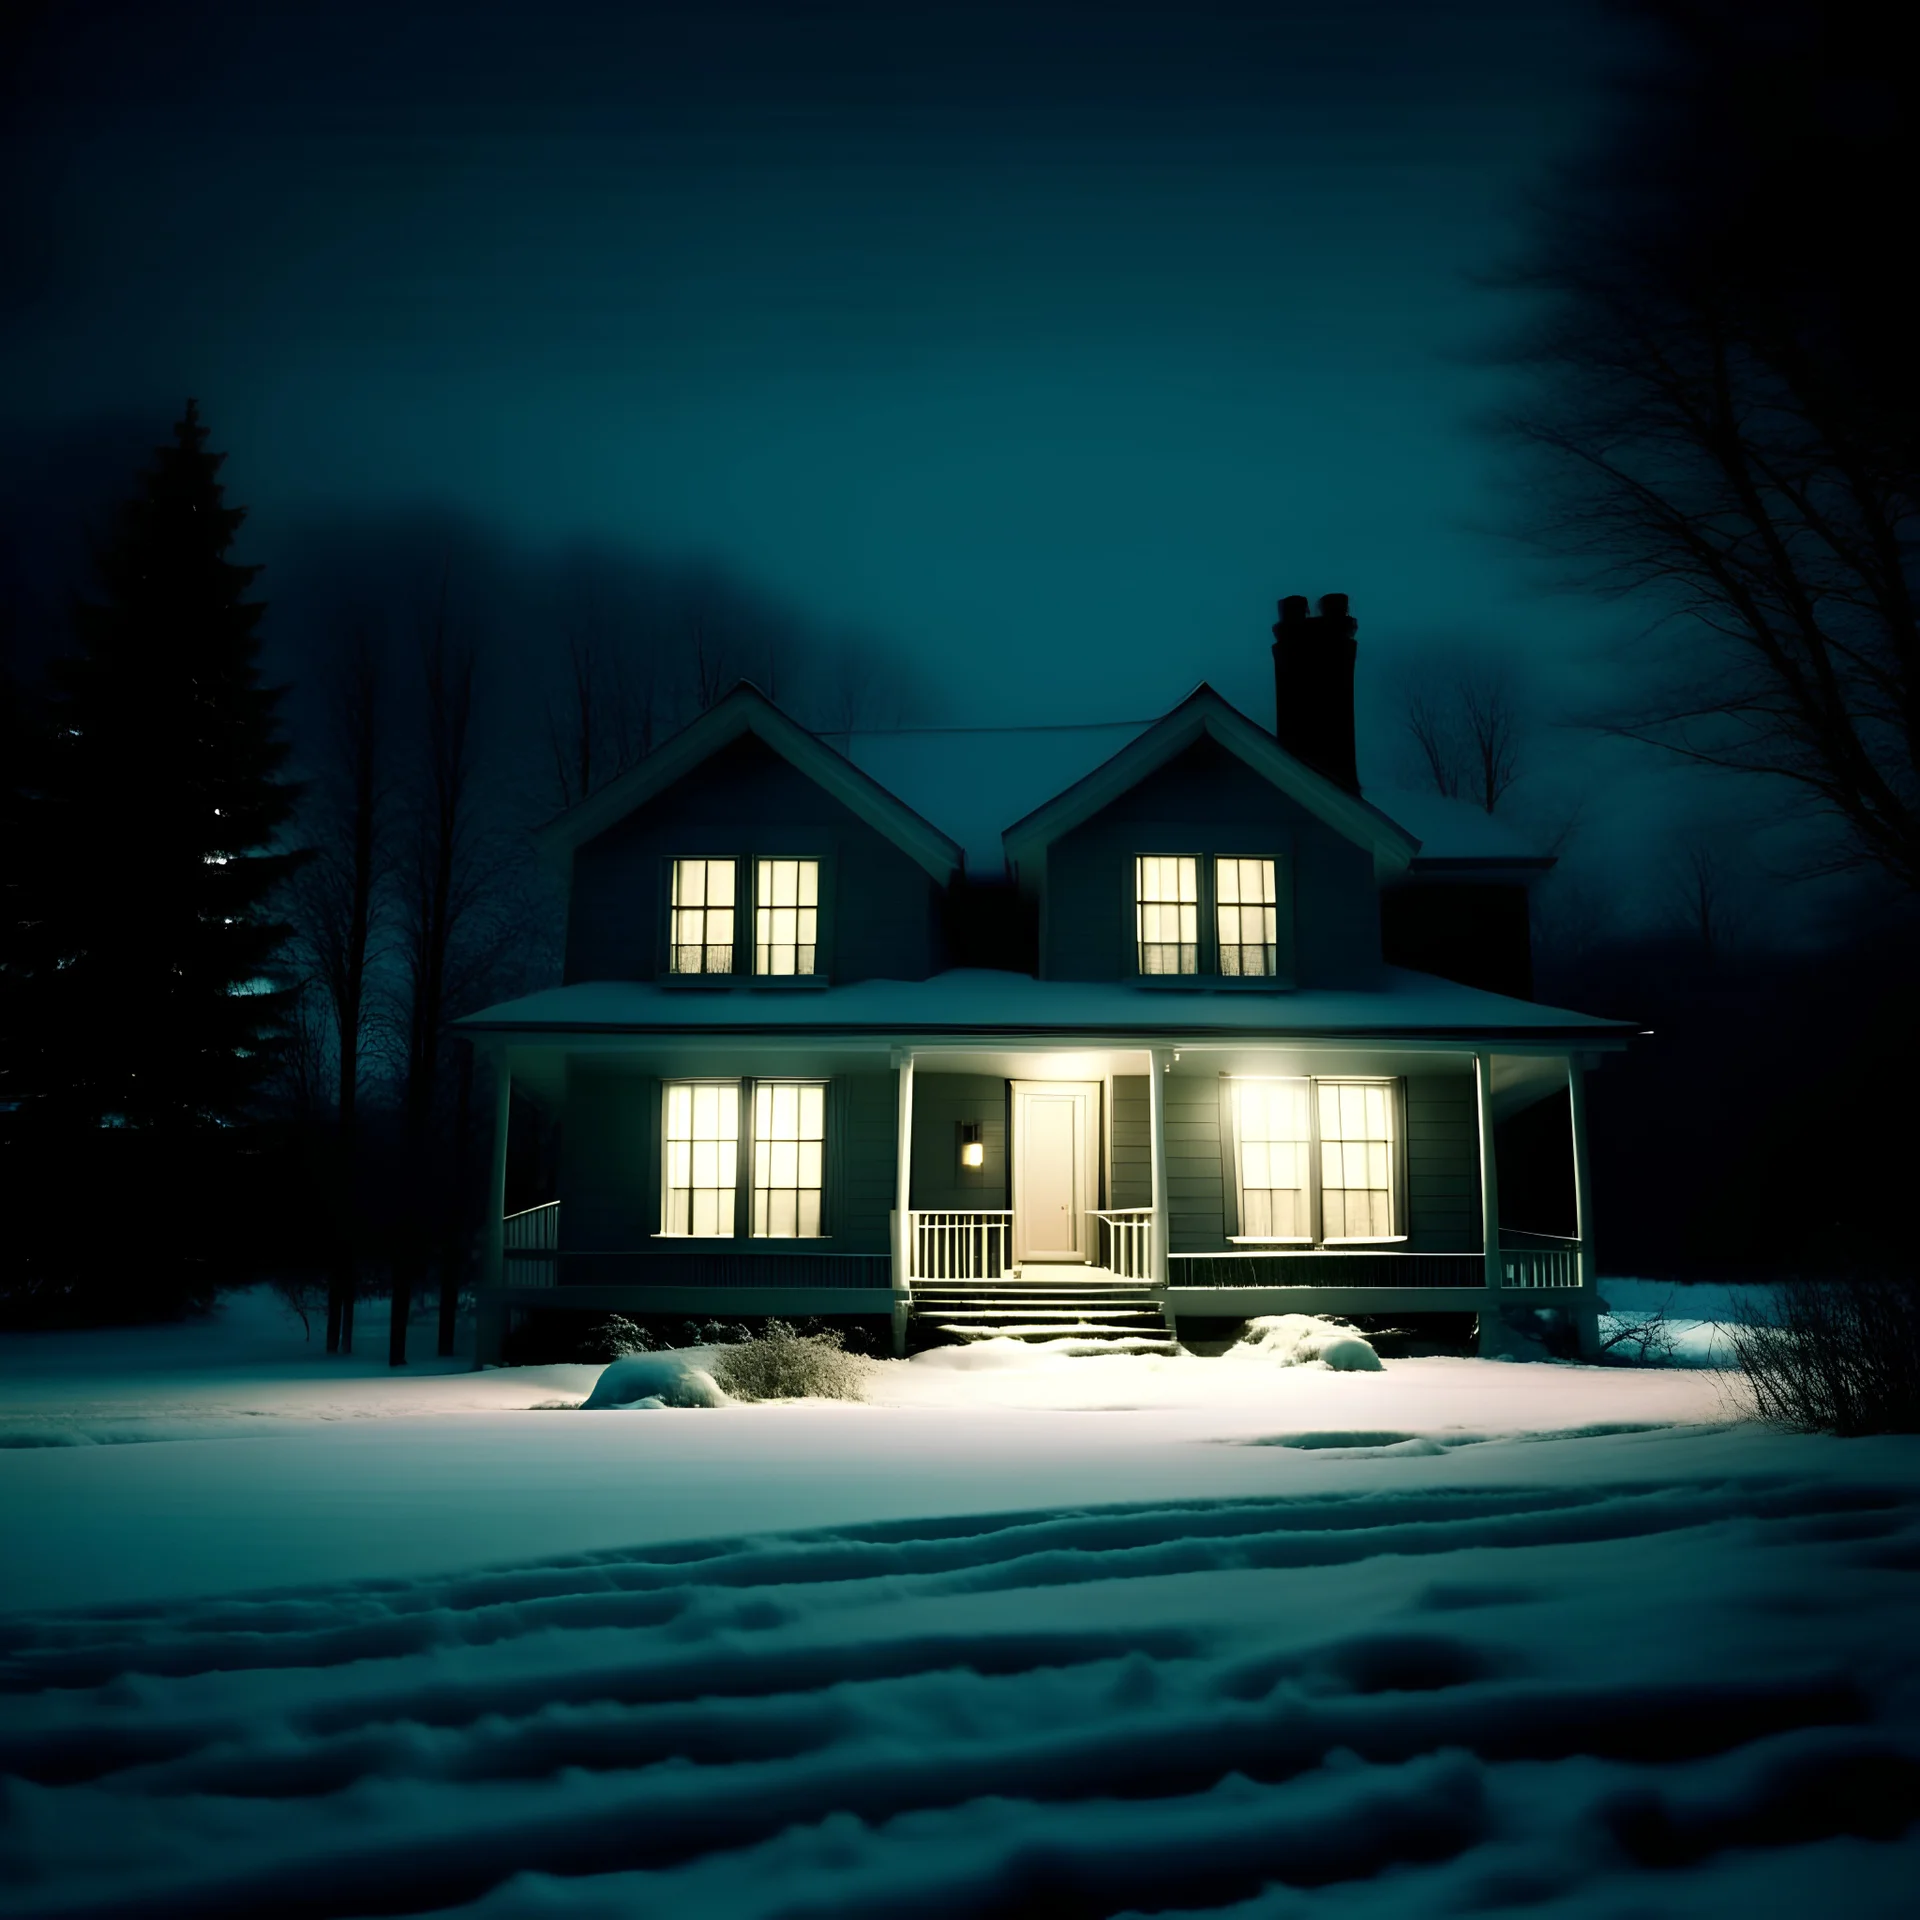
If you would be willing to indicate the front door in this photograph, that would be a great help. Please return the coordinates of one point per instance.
(1053, 1169)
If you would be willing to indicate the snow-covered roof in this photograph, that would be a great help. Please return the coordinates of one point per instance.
(977, 1001)
(975, 782)
(1453, 829)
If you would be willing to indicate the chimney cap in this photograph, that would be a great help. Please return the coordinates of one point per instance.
(1293, 607)
(1333, 606)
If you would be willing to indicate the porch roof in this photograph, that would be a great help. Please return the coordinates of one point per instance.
(974, 1001)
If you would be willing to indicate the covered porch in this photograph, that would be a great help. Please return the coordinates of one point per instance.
(1088, 1180)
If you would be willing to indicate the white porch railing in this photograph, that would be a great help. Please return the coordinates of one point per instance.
(959, 1244)
(524, 1237)
(1538, 1260)
(1126, 1242)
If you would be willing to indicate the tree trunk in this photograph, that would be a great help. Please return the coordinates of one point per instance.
(457, 1224)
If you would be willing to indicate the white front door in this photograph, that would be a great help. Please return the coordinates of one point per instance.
(1053, 1169)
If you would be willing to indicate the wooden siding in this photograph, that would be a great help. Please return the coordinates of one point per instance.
(1197, 1213)
(1205, 801)
(1132, 1134)
(610, 1166)
(941, 1102)
(1443, 1164)
(880, 914)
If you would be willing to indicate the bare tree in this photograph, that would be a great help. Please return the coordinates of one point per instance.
(443, 884)
(604, 723)
(336, 912)
(1465, 726)
(1723, 415)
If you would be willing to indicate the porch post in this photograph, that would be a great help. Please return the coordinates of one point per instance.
(1162, 1059)
(490, 1314)
(1586, 1313)
(902, 1204)
(1492, 1329)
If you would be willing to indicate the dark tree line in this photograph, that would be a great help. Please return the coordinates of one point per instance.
(241, 922)
(1719, 406)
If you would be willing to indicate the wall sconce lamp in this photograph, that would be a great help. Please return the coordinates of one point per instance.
(973, 1150)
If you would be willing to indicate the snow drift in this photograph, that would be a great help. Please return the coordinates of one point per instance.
(1303, 1340)
(648, 1380)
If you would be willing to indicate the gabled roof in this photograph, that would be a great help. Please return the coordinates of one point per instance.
(1203, 713)
(746, 710)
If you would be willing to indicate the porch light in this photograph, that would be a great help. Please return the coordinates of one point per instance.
(973, 1150)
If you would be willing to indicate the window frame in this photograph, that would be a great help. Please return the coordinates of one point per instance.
(670, 946)
(1207, 921)
(745, 1088)
(668, 1087)
(750, 1099)
(746, 905)
(819, 943)
(1200, 919)
(1397, 1197)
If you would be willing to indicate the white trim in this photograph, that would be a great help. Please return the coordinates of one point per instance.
(747, 710)
(1205, 713)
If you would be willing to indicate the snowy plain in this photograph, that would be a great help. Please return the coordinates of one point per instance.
(1021, 1634)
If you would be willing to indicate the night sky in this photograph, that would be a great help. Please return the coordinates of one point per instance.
(1045, 345)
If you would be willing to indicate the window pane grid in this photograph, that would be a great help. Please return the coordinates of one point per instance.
(702, 933)
(1246, 917)
(703, 1149)
(1167, 912)
(789, 1153)
(1356, 1160)
(1274, 1148)
(786, 916)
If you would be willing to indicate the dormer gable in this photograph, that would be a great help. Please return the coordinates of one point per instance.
(1205, 715)
(743, 712)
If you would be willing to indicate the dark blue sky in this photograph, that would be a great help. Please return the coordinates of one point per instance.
(1047, 343)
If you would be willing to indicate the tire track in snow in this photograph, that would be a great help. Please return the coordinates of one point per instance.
(669, 1718)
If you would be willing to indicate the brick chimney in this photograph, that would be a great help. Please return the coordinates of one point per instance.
(1313, 655)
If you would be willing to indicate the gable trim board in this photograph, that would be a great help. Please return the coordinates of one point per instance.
(746, 710)
(1203, 713)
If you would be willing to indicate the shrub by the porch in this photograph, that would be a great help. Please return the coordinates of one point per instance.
(782, 1364)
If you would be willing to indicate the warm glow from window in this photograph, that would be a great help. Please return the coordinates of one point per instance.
(786, 916)
(1356, 1161)
(703, 1149)
(1167, 912)
(1245, 915)
(789, 1144)
(1275, 1144)
(703, 916)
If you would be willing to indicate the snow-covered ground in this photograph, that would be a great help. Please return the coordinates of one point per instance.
(1022, 1634)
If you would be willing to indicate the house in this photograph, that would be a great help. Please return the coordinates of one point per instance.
(1110, 1031)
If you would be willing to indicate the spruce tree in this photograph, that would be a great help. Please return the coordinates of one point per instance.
(166, 802)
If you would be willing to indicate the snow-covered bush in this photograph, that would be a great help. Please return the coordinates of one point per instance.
(1302, 1339)
(616, 1336)
(781, 1364)
(654, 1380)
(1834, 1356)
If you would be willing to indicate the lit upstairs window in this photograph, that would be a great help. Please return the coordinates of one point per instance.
(702, 938)
(1244, 915)
(786, 916)
(1167, 912)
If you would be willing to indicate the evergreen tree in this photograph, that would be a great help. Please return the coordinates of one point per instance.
(167, 765)
(149, 982)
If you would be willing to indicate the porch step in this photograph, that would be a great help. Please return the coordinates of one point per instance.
(1089, 1309)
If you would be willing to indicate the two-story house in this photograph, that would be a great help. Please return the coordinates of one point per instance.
(1075, 1029)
